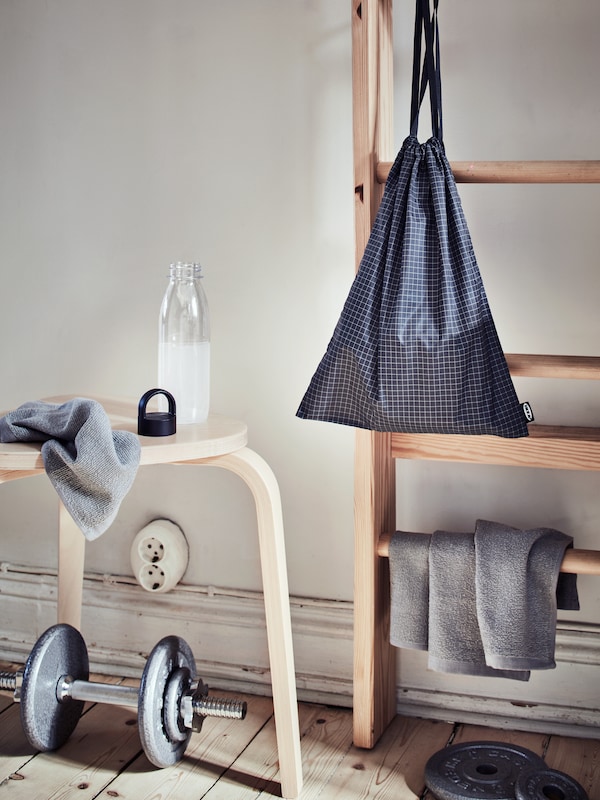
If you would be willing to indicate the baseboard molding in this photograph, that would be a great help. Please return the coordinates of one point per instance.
(226, 631)
(583, 723)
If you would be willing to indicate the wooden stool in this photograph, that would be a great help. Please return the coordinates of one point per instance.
(218, 442)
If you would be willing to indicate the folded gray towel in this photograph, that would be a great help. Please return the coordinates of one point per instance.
(483, 603)
(455, 641)
(91, 466)
(409, 590)
(516, 578)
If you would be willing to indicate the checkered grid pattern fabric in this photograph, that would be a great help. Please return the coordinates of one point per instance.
(416, 348)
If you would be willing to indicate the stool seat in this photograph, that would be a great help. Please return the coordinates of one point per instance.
(215, 437)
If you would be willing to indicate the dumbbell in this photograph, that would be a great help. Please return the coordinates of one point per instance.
(171, 701)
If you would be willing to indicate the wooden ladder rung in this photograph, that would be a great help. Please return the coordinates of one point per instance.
(585, 368)
(547, 446)
(579, 562)
(515, 171)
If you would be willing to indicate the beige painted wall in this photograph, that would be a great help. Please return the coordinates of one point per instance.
(137, 132)
(140, 132)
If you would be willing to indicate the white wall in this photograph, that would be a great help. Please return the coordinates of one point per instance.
(138, 132)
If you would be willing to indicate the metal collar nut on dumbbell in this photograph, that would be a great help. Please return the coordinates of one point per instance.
(171, 700)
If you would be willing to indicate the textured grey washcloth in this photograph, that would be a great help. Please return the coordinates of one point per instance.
(517, 577)
(483, 603)
(455, 641)
(91, 466)
(409, 590)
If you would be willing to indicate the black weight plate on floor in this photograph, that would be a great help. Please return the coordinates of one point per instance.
(48, 722)
(548, 784)
(478, 770)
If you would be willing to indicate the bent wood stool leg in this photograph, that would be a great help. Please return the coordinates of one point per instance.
(71, 554)
(259, 477)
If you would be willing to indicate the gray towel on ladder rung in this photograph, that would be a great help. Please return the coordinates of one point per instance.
(90, 466)
(483, 603)
(455, 641)
(409, 592)
(519, 589)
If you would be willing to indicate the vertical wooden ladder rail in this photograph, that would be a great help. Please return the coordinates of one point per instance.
(374, 484)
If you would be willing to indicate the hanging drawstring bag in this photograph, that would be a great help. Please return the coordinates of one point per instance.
(416, 349)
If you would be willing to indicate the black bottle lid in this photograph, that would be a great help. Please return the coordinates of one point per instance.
(156, 423)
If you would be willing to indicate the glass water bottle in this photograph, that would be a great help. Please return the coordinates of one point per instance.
(184, 343)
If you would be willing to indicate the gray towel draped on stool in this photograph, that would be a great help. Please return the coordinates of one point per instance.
(483, 603)
(90, 466)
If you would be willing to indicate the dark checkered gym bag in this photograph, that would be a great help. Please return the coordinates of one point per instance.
(416, 348)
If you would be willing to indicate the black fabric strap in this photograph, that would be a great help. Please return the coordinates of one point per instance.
(426, 70)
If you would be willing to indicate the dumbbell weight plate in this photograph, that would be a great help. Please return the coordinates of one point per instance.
(48, 722)
(478, 770)
(169, 670)
(548, 784)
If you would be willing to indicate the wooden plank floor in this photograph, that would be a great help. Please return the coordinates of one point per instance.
(237, 760)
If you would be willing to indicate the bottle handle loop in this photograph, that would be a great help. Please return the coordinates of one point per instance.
(156, 423)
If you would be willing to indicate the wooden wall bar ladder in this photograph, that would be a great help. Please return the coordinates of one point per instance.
(375, 503)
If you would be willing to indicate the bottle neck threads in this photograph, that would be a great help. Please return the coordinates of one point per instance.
(182, 271)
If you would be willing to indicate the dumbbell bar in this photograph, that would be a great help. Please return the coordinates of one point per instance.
(171, 701)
